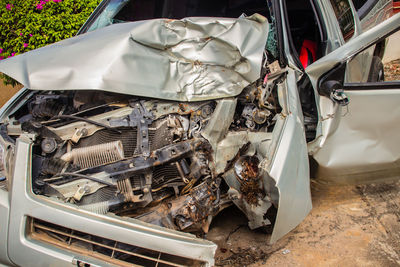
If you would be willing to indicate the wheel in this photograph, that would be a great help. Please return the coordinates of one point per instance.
(376, 73)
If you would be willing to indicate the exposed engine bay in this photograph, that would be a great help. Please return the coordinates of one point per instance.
(168, 163)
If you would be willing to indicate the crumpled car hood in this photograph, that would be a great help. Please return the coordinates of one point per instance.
(192, 59)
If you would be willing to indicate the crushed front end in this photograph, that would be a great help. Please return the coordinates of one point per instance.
(118, 174)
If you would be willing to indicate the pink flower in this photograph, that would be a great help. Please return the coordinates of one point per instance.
(1, 50)
(13, 54)
(25, 45)
(57, 1)
(20, 34)
(30, 35)
(9, 6)
(1, 58)
(39, 6)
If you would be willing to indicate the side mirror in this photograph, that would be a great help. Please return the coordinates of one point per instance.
(332, 80)
(327, 87)
(331, 85)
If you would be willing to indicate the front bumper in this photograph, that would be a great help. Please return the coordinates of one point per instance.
(22, 249)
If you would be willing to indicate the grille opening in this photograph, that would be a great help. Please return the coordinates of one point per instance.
(111, 251)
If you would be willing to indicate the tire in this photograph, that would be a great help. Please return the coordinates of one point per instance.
(376, 73)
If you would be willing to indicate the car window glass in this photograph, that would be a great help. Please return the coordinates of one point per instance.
(105, 18)
(305, 31)
(359, 3)
(382, 61)
(118, 11)
(345, 17)
(373, 12)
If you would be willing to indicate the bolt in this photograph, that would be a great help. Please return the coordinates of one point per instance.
(84, 132)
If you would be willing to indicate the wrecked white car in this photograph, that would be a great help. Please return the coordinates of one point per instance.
(128, 139)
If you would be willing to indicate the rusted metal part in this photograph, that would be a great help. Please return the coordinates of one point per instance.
(141, 118)
(241, 152)
(251, 191)
(188, 212)
(181, 173)
(125, 187)
(250, 183)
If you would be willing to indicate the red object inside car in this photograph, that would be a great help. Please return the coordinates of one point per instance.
(308, 52)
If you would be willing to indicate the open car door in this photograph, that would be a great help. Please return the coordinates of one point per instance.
(359, 114)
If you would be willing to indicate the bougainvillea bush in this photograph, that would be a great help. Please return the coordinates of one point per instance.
(30, 24)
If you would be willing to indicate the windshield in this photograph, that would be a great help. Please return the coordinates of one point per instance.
(118, 11)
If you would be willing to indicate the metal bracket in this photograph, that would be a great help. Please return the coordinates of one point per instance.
(141, 118)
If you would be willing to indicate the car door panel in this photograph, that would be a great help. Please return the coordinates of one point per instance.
(358, 142)
(364, 145)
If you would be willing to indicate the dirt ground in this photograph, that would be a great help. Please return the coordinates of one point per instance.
(392, 70)
(348, 226)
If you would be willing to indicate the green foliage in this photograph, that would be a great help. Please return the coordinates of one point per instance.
(30, 24)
